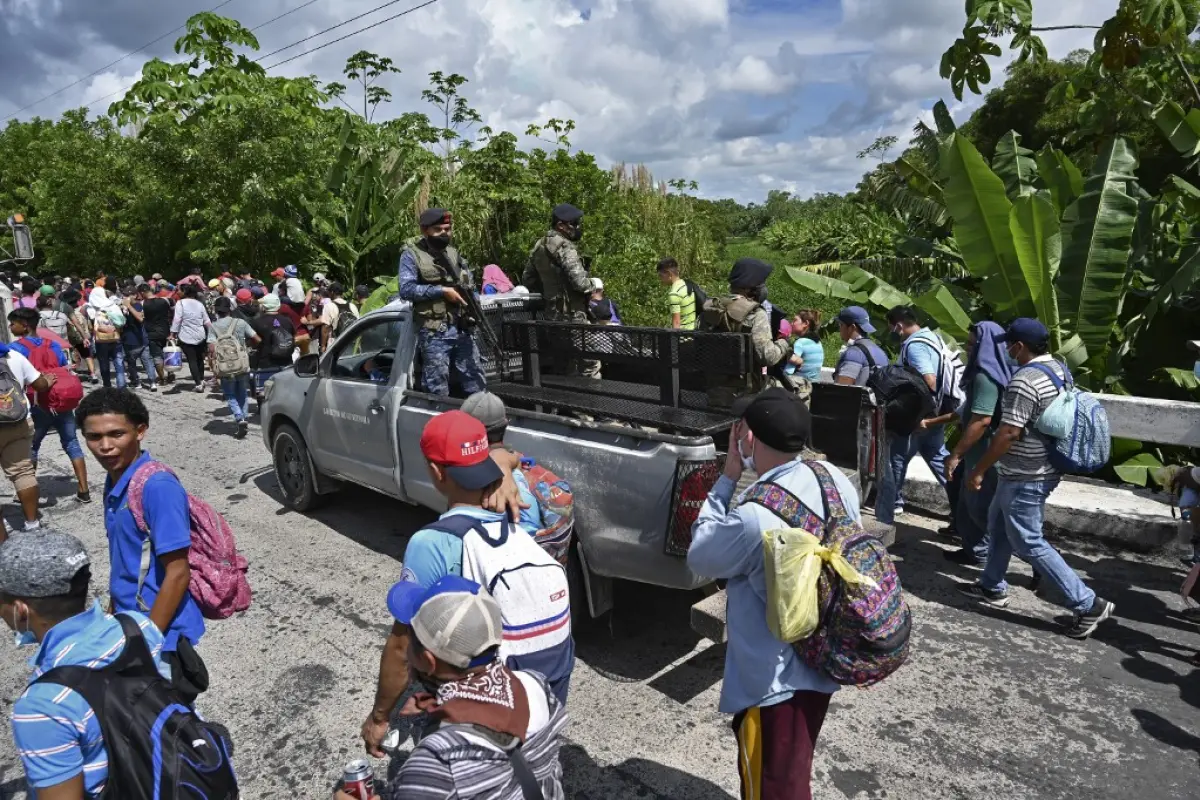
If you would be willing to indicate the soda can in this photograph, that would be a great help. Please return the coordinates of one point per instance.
(358, 779)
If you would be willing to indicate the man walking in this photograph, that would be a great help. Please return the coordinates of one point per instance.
(456, 451)
(861, 354)
(1026, 481)
(556, 270)
(921, 350)
(44, 579)
(432, 273)
(778, 701)
(114, 423)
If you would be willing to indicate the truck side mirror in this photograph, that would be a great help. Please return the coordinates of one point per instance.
(23, 242)
(308, 366)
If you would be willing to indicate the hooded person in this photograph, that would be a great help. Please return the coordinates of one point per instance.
(495, 281)
(433, 277)
(741, 311)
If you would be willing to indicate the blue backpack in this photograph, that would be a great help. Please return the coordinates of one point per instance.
(1076, 425)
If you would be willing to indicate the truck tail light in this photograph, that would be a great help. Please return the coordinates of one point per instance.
(693, 481)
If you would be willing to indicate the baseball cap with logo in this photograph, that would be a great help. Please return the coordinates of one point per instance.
(41, 563)
(455, 619)
(458, 442)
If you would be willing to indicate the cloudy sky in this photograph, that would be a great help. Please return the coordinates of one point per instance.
(742, 96)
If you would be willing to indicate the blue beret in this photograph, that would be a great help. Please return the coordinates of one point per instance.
(565, 212)
(435, 216)
(748, 272)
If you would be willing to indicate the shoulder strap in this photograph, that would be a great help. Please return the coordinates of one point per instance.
(831, 498)
(783, 504)
(1049, 372)
(461, 524)
(861, 346)
(135, 658)
(137, 490)
(530, 790)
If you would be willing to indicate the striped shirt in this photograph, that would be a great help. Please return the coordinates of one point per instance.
(56, 732)
(681, 301)
(465, 762)
(1027, 397)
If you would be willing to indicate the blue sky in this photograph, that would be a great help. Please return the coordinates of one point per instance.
(743, 96)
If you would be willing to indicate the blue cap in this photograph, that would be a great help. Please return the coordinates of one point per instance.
(291, 271)
(856, 315)
(455, 619)
(406, 597)
(1026, 330)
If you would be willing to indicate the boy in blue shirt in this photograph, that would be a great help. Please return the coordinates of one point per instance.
(114, 422)
(44, 579)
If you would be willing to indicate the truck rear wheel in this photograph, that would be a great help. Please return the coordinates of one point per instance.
(293, 469)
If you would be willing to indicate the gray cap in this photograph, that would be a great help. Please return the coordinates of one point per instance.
(40, 563)
(487, 408)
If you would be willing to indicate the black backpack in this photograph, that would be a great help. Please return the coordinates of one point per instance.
(157, 746)
(901, 391)
(698, 292)
(281, 341)
(345, 318)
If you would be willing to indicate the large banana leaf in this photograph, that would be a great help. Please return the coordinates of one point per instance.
(1061, 177)
(347, 150)
(941, 306)
(1038, 241)
(1138, 470)
(1015, 166)
(825, 285)
(1181, 129)
(1074, 352)
(943, 120)
(1097, 243)
(980, 208)
(879, 292)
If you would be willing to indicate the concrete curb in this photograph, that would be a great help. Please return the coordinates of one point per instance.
(1133, 519)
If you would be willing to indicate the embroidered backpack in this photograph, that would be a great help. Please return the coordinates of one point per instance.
(863, 632)
(219, 585)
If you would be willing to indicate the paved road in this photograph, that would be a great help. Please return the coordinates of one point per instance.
(992, 705)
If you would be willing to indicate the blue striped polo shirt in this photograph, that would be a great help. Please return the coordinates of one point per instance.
(56, 733)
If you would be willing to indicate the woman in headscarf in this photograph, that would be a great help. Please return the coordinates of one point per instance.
(104, 315)
(988, 373)
(495, 281)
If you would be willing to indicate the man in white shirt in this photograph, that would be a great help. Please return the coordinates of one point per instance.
(16, 430)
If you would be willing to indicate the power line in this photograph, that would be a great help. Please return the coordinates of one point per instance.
(111, 64)
(284, 14)
(348, 35)
(334, 28)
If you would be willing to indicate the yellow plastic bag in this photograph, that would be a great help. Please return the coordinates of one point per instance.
(793, 560)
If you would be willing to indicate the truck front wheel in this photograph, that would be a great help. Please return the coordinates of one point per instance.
(293, 469)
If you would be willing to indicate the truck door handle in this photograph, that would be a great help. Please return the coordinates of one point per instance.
(375, 408)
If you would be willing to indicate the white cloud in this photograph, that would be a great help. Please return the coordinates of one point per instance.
(754, 75)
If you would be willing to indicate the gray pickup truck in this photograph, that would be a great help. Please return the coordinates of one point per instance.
(639, 469)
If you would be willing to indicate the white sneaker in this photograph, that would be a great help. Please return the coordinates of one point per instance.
(33, 526)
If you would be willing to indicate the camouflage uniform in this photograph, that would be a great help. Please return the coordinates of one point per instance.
(556, 270)
(424, 273)
(737, 314)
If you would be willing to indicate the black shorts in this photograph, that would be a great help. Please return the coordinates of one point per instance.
(85, 351)
(156, 348)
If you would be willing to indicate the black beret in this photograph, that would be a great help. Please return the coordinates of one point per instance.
(565, 212)
(749, 272)
(777, 418)
(435, 216)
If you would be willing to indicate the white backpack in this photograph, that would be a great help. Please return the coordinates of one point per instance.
(951, 395)
(529, 586)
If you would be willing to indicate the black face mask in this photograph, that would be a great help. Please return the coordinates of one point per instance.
(440, 242)
(574, 232)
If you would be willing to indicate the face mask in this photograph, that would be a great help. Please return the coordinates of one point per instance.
(762, 293)
(895, 335)
(441, 241)
(1012, 360)
(747, 460)
(575, 232)
(22, 638)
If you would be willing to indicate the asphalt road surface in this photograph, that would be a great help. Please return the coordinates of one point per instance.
(993, 704)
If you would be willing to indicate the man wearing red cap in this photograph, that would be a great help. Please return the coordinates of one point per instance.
(470, 541)
(432, 273)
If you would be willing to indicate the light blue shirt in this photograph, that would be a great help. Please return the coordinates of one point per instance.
(760, 670)
(56, 733)
(814, 358)
(922, 352)
(411, 288)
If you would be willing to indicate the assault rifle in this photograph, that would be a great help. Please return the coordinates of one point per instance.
(470, 313)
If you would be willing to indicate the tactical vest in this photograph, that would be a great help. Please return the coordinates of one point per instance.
(732, 314)
(432, 313)
(559, 297)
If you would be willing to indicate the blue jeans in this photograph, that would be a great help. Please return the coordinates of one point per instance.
(971, 516)
(237, 392)
(136, 353)
(111, 355)
(1015, 524)
(64, 423)
(930, 445)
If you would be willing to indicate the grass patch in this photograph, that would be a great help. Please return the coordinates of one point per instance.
(784, 293)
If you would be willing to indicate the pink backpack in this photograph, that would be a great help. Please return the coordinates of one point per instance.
(219, 585)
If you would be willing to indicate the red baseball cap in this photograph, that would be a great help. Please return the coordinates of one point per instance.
(457, 441)
(244, 296)
(277, 273)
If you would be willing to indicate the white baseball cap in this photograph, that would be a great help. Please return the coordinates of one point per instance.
(597, 285)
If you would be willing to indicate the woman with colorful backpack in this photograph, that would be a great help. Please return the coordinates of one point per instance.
(106, 319)
(54, 408)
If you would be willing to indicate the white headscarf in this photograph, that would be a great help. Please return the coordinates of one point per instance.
(98, 300)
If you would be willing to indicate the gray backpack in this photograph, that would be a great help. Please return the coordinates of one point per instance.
(230, 356)
(14, 405)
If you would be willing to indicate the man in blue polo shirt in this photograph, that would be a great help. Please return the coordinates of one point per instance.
(455, 446)
(44, 579)
(114, 422)
(861, 355)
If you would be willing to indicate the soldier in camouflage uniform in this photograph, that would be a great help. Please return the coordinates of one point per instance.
(431, 274)
(557, 272)
(741, 311)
